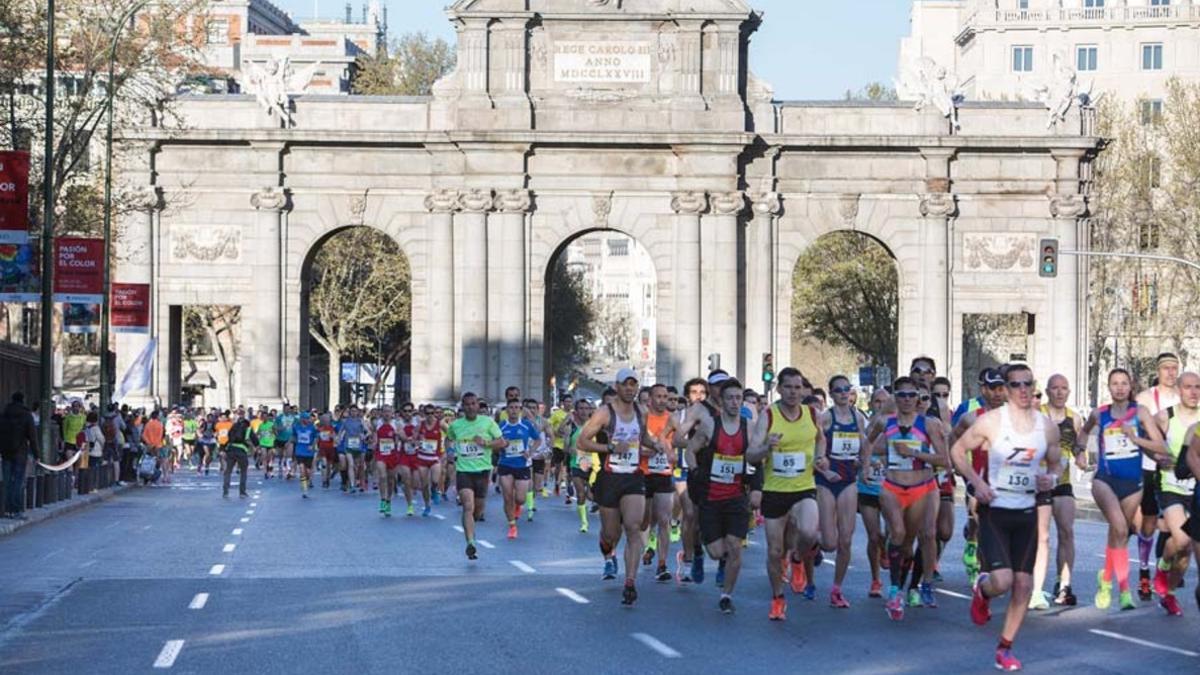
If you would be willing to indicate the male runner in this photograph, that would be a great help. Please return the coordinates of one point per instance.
(689, 561)
(266, 441)
(659, 469)
(791, 447)
(1155, 399)
(353, 436)
(429, 456)
(326, 446)
(620, 487)
(473, 439)
(241, 438)
(558, 457)
(520, 436)
(992, 395)
(387, 460)
(302, 447)
(1176, 496)
(1020, 440)
(580, 462)
(284, 424)
(1062, 502)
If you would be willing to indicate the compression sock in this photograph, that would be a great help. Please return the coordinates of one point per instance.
(918, 570)
(529, 500)
(1144, 545)
(895, 565)
(1120, 567)
(1161, 544)
(582, 509)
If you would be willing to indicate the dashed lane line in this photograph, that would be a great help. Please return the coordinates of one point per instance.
(572, 595)
(657, 645)
(952, 594)
(170, 652)
(486, 544)
(228, 548)
(237, 531)
(199, 601)
(245, 520)
(459, 528)
(521, 566)
(1144, 643)
(216, 570)
(439, 516)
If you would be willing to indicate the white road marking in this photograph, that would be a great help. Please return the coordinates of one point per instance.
(229, 548)
(568, 593)
(199, 601)
(459, 528)
(253, 505)
(952, 593)
(1144, 643)
(170, 652)
(237, 531)
(439, 516)
(145, 528)
(216, 569)
(521, 566)
(486, 544)
(245, 520)
(655, 644)
(89, 563)
(51, 554)
(249, 512)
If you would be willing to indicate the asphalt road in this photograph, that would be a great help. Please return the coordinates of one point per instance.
(178, 577)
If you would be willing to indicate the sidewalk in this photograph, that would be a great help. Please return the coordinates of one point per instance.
(57, 509)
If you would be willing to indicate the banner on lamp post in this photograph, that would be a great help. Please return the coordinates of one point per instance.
(19, 278)
(79, 270)
(130, 309)
(14, 197)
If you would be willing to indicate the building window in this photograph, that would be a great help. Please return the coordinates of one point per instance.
(1022, 5)
(1152, 111)
(218, 32)
(1154, 172)
(1093, 4)
(618, 247)
(1147, 235)
(1085, 57)
(1160, 3)
(1022, 59)
(1152, 56)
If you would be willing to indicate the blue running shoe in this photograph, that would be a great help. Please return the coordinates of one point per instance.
(927, 598)
(698, 569)
(428, 510)
(810, 592)
(610, 569)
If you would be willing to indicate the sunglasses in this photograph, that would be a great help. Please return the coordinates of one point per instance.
(924, 399)
(840, 390)
(942, 395)
(1020, 384)
(906, 394)
(922, 369)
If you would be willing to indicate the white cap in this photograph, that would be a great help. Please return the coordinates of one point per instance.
(625, 374)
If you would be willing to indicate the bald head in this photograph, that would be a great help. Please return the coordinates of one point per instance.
(1189, 390)
(1058, 390)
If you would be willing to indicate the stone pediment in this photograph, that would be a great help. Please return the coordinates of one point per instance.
(699, 8)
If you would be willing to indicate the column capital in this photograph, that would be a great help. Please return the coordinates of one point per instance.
(443, 200)
(146, 198)
(938, 205)
(727, 203)
(766, 203)
(1068, 205)
(270, 199)
(476, 200)
(692, 203)
(513, 201)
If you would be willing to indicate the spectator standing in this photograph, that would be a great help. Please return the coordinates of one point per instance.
(18, 444)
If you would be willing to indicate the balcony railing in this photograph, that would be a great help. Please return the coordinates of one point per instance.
(1086, 15)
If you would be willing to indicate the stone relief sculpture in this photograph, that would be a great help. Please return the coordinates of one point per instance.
(213, 244)
(1061, 91)
(999, 252)
(275, 83)
(930, 84)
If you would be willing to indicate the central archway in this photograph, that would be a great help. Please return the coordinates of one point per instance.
(355, 318)
(600, 312)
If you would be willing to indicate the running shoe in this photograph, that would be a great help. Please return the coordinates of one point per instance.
(937, 576)
(818, 558)
(583, 527)
(1103, 591)
(927, 597)
(810, 591)
(876, 589)
(411, 511)
(428, 510)
(698, 569)
(1169, 603)
(1006, 661)
(648, 556)
(1127, 601)
(382, 507)
(471, 552)
(1144, 593)
(778, 609)
(720, 580)
(675, 533)
(387, 509)
(798, 580)
(1038, 601)
(662, 576)
(437, 497)
(836, 599)
(1162, 584)
(545, 493)
(895, 604)
(914, 598)
(725, 605)
(971, 561)
(610, 569)
(681, 569)
(1065, 597)
(529, 516)
(512, 531)
(981, 611)
(629, 595)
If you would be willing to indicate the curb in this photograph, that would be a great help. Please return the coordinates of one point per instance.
(8, 527)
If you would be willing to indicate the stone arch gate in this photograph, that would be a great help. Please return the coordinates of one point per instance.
(565, 116)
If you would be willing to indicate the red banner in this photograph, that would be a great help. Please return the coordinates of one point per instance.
(14, 197)
(130, 308)
(79, 270)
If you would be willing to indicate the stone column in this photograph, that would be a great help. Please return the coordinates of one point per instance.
(936, 297)
(720, 260)
(265, 366)
(438, 365)
(1062, 330)
(760, 278)
(508, 291)
(686, 351)
(472, 289)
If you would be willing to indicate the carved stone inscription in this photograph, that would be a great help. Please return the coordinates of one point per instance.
(1011, 252)
(597, 61)
(205, 244)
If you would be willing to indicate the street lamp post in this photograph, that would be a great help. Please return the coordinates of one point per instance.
(106, 364)
(47, 356)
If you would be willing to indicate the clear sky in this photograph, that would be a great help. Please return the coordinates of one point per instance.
(807, 49)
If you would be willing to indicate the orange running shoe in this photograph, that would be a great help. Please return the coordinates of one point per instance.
(799, 580)
(512, 531)
(876, 590)
(778, 609)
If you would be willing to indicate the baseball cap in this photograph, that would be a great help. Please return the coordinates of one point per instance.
(625, 374)
(990, 377)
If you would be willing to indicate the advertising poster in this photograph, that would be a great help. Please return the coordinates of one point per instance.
(79, 270)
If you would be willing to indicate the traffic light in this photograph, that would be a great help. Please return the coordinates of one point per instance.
(1048, 259)
(714, 362)
(768, 369)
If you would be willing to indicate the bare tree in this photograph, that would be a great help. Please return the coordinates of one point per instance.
(215, 330)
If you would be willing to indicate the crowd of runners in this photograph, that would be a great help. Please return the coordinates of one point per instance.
(682, 476)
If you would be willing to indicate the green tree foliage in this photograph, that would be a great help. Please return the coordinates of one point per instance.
(409, 68)
(360, 301)
(874, 91)
(845, 292)
(572, 319)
